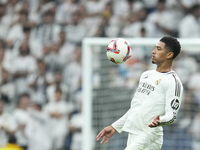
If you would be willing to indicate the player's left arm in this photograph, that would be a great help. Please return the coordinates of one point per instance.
(174, 92)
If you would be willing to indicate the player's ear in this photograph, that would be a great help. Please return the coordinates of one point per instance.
(170, 55)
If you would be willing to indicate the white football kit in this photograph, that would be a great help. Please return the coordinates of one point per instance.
(157, 94)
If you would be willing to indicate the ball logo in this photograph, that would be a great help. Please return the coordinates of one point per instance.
(175, 104)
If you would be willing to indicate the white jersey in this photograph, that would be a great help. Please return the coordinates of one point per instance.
(157, 94)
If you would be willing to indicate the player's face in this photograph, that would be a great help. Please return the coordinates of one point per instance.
(159, 54)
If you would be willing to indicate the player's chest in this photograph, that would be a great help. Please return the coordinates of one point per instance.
(150, 84)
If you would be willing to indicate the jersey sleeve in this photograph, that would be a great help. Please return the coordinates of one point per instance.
(174, 90)
(118, 125)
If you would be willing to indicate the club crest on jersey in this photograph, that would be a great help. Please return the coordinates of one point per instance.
(157, 81)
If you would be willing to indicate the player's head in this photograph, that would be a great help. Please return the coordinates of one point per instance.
(166, 50)
(171, 45)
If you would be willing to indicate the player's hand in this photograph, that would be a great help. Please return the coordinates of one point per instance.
(156, 122)
(107, 133)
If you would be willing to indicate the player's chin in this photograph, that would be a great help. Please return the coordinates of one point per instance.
(153, 62)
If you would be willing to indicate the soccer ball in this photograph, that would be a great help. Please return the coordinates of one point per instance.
(119, 51)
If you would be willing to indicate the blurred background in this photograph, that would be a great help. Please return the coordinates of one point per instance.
(41, 69)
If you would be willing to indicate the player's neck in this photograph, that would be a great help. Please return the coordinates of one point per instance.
(164, 67)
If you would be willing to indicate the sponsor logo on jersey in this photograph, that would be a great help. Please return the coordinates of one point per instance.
(145, 77)
(145, 88)
(157, 81)
(175, 104)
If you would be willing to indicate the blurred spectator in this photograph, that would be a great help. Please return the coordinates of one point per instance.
(95, 8)
(38, 83)
(15, 33)
(38, 129)
(25, 6)
(10, 52)
(72, 74)
(65, 11)
(48, 30)
(150, 6)
(161, 18)
(21, 117)
(4, 63)
(140, 24)
(3, 26)
(100, 31)
(6, 126)
(67, 48)
(176, 8)
(127, 30)
(113, 24)
(47, 5)
(75, 32)
(59, 111)
(8, 88)
(55, 59)
(23, 65)
(12, 6)
(12, 144)
(108, 11)
(189, 26)
(34, 43)
(12, 14)
(35, 11)
(127, 7)
(87, 21)
(57, 83)
(187, 5)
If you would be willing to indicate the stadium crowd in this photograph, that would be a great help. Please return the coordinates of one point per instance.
(40, 62)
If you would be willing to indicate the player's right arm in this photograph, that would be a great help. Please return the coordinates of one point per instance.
(118, 125)
(109, 131)
(106, 134)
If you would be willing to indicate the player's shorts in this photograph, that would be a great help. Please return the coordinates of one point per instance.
(144, 142)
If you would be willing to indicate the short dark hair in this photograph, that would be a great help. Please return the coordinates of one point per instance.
(172, 44)
(25, 94)
(26, 28)
(58, 90)
(194, 8)
(12, 139)
(161, 1)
